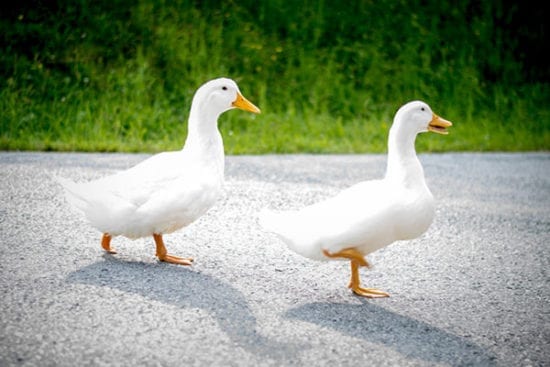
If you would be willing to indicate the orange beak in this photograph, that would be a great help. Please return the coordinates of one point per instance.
(245, 104)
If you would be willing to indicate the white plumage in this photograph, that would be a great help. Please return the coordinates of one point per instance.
(370, 214)
(169, 190)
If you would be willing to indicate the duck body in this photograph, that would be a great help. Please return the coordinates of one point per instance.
(162, 194)
(169, 190)
(366, 216)
(371, 214)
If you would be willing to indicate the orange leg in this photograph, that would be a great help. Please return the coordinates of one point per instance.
(357, 260)
(106, 243)
(163, 255)
(349, 253)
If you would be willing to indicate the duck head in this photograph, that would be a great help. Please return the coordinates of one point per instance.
(417, 117)
(220, 95)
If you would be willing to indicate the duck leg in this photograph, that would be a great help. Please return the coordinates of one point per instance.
(106, 243)
(357, 260)
(355, 284)
(162, 254)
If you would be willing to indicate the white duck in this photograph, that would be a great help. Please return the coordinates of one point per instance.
(169, 190)
(370, 214)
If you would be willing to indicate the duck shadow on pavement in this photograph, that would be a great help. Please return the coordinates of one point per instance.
(409, 337)
(186, 288)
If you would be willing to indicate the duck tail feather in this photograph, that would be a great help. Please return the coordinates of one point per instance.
(268, 220)
(73, 192)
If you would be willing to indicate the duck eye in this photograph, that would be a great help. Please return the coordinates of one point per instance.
(423, 109)
(224, 87)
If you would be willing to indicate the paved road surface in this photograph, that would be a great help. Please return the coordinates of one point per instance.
(473, 291)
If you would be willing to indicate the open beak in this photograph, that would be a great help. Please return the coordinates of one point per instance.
(439, 125)
(245, 104)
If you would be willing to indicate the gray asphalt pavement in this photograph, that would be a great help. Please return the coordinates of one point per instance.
(473, 291)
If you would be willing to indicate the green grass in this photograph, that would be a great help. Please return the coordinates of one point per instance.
(120, 75)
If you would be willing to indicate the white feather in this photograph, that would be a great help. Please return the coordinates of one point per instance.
(370, 214)
(169, 190)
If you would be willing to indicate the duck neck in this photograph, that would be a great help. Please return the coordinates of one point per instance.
(203, 121)
(403, 164)
(204, 143)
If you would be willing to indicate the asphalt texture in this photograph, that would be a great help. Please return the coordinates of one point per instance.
(474, 290)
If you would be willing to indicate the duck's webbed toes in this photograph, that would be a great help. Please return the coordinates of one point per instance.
(163, 255)
(176, 259)
(369, 292)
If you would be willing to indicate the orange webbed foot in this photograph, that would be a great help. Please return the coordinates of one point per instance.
(163, 255)
(357, 259)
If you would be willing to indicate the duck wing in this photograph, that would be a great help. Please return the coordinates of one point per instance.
(357, 215)
(111, 203)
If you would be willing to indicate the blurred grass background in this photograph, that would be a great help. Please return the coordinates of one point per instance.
(119, 75)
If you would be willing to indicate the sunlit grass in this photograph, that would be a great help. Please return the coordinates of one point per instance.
(327, 77)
